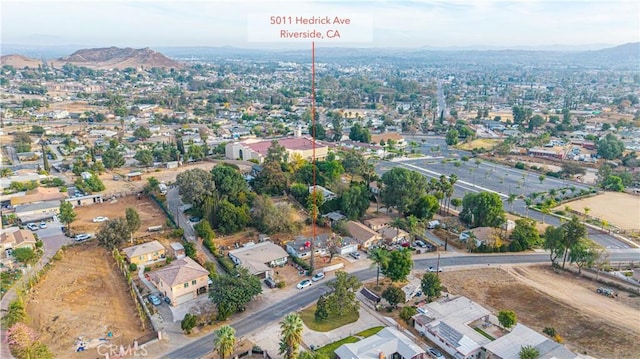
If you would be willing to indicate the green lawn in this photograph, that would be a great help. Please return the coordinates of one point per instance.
(330, 348)
(330, 323)
(485, 334)
(369, 332)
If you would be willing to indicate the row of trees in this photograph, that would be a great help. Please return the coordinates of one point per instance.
(569, 242)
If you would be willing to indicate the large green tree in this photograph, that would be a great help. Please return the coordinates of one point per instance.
(355, 201)
(320, 132)
(271, 180)
(584, 253)
(430, 285)
(225, 341)
(393, 295)
(610, 147)
(484, 209)
(291, 336)
(451, 137)
(113, 158)
(230, 293)
(402, 187)
(528, 352)
(342, 298)
(229, 181)
(133, 220)
(425, 207)
(507, 318)
(573, 232)
(195, 185)
(272, 218)
(359, 133)
(67, 215)
(145, 157)
(525, 233)
(399, 265)
(380, 259)
(142, 133)
(113, 233)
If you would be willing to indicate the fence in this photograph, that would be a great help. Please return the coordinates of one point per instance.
(164, 208)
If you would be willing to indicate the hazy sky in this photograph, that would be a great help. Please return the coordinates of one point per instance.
(395, 23)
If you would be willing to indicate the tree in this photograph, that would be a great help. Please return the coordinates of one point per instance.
(230, 218)
(145, 157)
(113, 233)
(67, 215)
(525, 233)
(271, 180)
(354, 202)
(342, 298)
(554, 243)
(482, 209)
(507, 318)
(535, 122)
(452, 137)
(195, 185)
(24, 343)
(572, 232)
(528, 352)
(399, 265)
(430, 285)
(189, 322)
(425, 207)
(613, 183)
(133, 220)
(511, 200)
(142, 133)
(359, 133)
(229, 181)
(276, 153)
(320, 133)
(610, 147)
(337, 129)
(402, 187)
(112, 158)
(380, 259)
(456, 202)
(231, 293)
(270, 218)
(24, 255)
(541, 178)
(196, 153)
(393, 295)
(406, 313)
(321, 313)
(225, 341)
(291, 336)
(584, 254)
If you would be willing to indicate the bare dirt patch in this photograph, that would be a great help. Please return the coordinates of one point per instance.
(591, 323)
(150, 214)
(83, 295)
(620, 209)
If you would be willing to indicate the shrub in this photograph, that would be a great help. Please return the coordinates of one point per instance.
(210, 245)
(133, 267)
(281, 284)
(226, 263)
(188, 323)
(147, 269)
(550, 331)
(211, 267)
(39, 244)
(300, 262)
(177, 233)
(558, 338)
(520, 165)
(407, 312)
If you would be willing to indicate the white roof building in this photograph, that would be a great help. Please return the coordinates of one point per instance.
(387, 343)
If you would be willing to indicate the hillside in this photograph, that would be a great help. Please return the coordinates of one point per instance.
(120, 58)
(19, 61)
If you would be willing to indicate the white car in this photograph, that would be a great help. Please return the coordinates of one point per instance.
(355, 255)
(433, 269)
(82, 237)
(318, 276)
(43, 225)
(33, 226)
(435, 353)
(100, 219)
(305, 283)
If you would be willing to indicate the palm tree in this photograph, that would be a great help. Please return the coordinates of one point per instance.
(380, 258)
(225, 341)
(291, 332)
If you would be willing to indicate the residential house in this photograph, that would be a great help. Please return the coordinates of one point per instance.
(177, 250)
(385, 137)
(300, 247)
(447, 324)
(145, 253)
(134, 176)
(334, 217)
(39, 211)
(394, 235)
(86, 200)
(346, 245)
(363, 234)
(387, 343)
(378, 223)
(326, 194)
(14, 238)
(181, 281)
(259, 258)
(509, 345)
(39, 194)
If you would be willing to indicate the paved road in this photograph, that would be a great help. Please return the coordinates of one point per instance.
(486, 176)
(303, 298)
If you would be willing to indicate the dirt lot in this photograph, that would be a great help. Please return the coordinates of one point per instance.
(620, 209)
(600, 326)
(150, 214)
(83, 295)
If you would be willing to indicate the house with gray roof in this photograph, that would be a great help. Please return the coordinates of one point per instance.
(387, 343)
(259, 259)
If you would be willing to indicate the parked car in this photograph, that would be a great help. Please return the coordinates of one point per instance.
(167, 300)
(435, 353)
(433, 269)
(270, 283)
(419, 243)
(606, 291)
(100, 219)
(32, 226)
(305, 283)
(43, 225)
(355, 255)
(194, 219)
(318, 276)
(82, 237)
(154, 299)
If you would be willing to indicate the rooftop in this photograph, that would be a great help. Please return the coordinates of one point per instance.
(388, 341)
(143, 248)
(179, 271)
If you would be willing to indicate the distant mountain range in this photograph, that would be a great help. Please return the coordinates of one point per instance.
(101, 58)
(627, 55)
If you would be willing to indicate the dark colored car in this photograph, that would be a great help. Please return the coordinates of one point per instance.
(270, 283)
